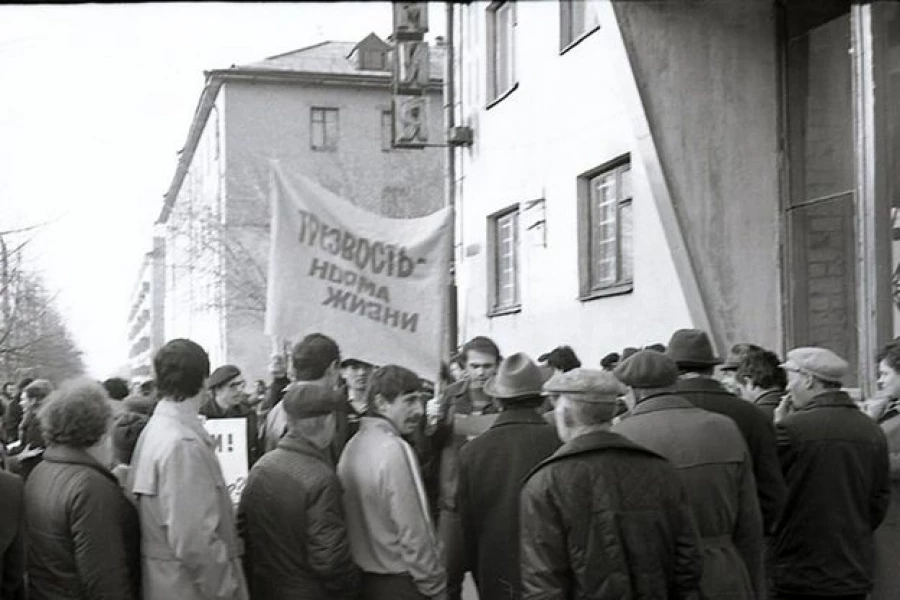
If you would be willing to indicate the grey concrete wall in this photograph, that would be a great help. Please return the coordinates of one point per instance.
(708, 78)
(271, 121)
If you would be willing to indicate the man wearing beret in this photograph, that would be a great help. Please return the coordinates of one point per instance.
(604, 518)
(290, 516)
(711, 457)
(692, 351)
(226, 399)
(491, 469)
(835, 462)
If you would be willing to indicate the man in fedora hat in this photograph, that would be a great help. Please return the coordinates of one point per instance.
(712, 459)
(603, 517)
(692, 352)
(491, 469)
(835, 462)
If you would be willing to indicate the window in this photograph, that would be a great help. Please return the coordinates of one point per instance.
(372, 60)
(323, 129)
(577, 19)
(387, 130)
(503, 240)
(501, 49)
(605, 231)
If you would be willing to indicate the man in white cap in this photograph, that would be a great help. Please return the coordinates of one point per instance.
(604, 518)
(491, 469)
(835, 463)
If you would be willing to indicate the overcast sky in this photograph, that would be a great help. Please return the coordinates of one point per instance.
(95, 101)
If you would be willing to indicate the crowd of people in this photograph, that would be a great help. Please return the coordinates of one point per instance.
(665, 472)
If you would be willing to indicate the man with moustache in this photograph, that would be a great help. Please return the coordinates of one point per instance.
(388, 523)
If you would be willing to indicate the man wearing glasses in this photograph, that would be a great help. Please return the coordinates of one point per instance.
(227, 399)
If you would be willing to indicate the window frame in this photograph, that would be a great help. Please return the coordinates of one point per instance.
(494, 91)
(324, 111)
(568, 39)
(494, 307)
(587, 289)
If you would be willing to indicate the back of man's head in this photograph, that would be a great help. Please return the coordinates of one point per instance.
(148, 387)
(312, 356)
(181, 368)
(116, 388)
(761, 368)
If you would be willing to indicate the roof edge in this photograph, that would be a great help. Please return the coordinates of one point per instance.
(201, 116)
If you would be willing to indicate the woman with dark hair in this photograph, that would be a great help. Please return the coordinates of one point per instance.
(83, 533)
(887, 537)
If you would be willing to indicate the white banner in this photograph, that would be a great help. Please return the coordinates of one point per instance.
(373, 284)
(230, 438)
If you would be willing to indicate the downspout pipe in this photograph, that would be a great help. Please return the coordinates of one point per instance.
(449, 123)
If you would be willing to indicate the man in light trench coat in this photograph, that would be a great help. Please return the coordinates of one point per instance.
(189, 544)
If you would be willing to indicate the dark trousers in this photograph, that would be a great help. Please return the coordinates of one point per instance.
(390, 587)
(815, 597)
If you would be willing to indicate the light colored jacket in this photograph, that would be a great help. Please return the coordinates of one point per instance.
(189, 544)
(388, 525)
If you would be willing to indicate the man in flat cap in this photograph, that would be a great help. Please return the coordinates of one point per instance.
(491, 469)
(290, 516)
(604, 518)
(561, 358)
(711, 457)
(226, 398)
(835, 462)
(692, 351)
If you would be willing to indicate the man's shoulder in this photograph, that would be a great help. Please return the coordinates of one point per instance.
(283, 465)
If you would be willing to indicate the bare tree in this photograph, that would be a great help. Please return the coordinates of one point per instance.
(34, 339)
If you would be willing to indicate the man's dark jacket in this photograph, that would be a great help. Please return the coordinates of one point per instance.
(12, 538)
(211, 410)
(291, 519)
(768, 401)
(758, 432)
(835, 462)
(491, 470)
(83, 533)
(605, 519)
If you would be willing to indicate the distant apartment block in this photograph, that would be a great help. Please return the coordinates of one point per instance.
(145, 315)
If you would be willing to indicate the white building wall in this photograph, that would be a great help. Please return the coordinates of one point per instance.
(565, 118)
(193, 299)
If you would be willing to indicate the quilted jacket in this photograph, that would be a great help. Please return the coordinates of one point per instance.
(83, 533)
(605, 519)
(292, 523)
